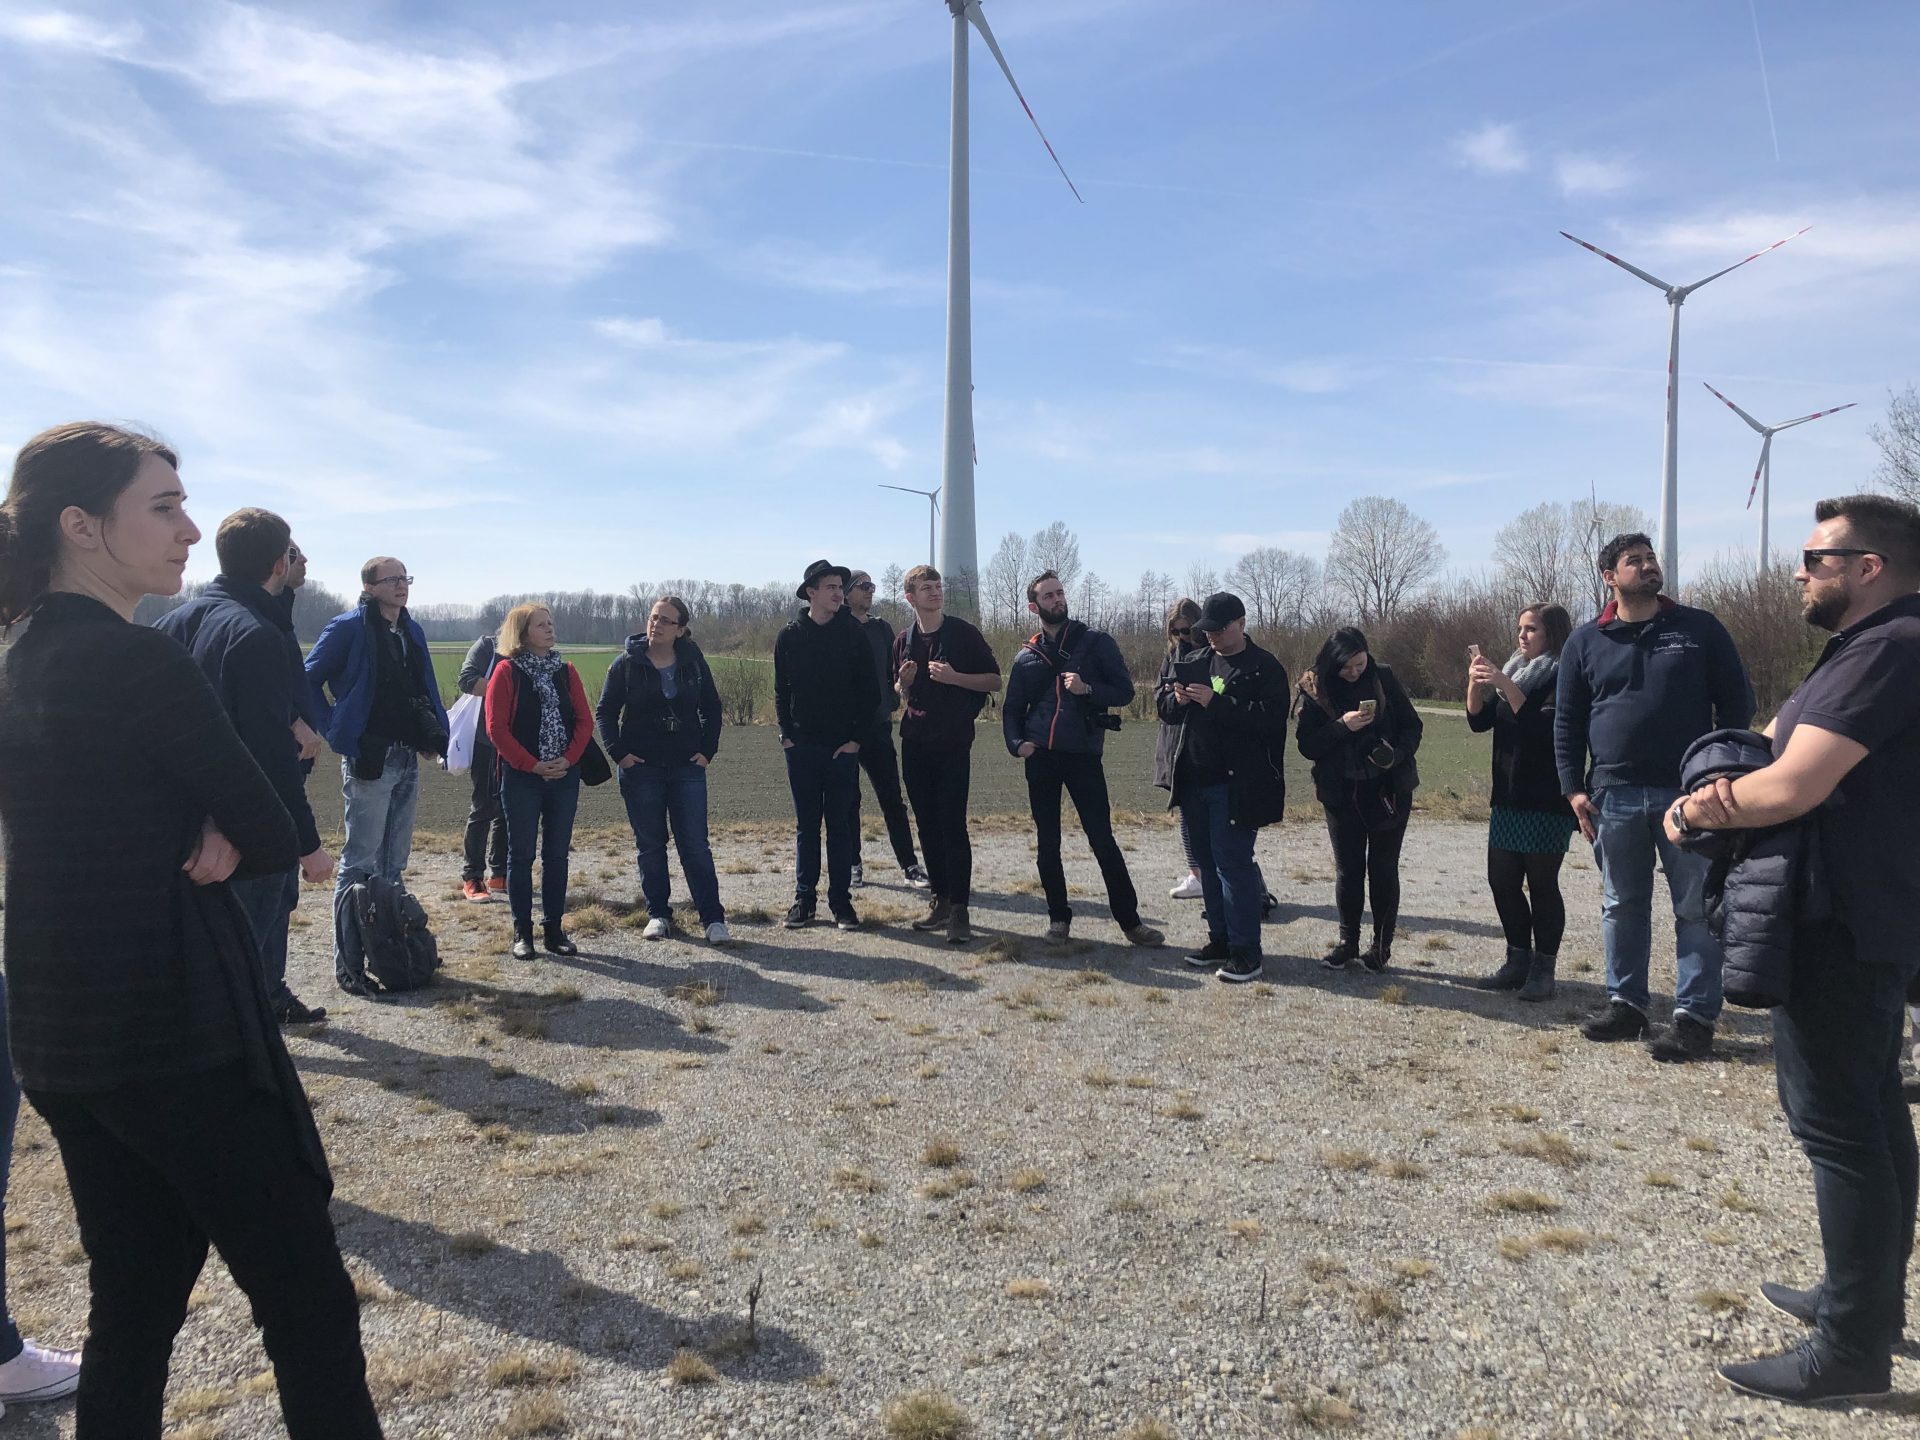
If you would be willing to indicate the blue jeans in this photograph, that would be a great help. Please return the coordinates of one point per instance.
(1229, 880)
(379, 822)
(657, 795)
(1631, 834)
(825, 787)
(269, 900)
(10, 1342)
(539, 813)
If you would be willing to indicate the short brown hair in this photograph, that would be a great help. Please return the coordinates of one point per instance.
(1885, 526)
(1033, 585)
(250, 543)
(372, 567)
(512, 640)
(918, 575)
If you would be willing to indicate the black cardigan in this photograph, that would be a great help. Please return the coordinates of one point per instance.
(113, 751)
(1524, 774)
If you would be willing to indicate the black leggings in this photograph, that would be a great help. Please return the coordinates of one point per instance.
(1365, 862)
(1514, 876)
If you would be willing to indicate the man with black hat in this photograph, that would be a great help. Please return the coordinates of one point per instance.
(826, 694)
(1228, 704)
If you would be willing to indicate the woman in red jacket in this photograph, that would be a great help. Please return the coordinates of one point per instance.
(540, 724)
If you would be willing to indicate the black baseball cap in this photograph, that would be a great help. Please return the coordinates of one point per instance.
(1220, 611)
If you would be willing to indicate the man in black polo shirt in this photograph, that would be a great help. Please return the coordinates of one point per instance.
(1847, 755)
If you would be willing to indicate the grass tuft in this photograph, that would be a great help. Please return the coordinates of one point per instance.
(1375, 1302)
(1029, 1289)
(1720, 1302)
(926, 1415)
(940, 1155)
(690, 1367)
(1026, 1181)
(1523, 1202)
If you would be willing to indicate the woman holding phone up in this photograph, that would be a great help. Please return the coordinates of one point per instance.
(1360, 731)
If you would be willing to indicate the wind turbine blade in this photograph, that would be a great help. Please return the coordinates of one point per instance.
(980, 24)
(1817, 415)
(1754, 489)
(1754, 256)
(1738, 411)
(1630, 269)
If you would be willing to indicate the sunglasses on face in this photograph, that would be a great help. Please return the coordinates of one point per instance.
(864, 585)
(1810, 559)
(1183, 630)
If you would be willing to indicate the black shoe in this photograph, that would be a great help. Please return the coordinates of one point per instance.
(523, 943)
(1539, 984)
(1214, 953)
(959, 926)
(1686, 1039)
(1910, 1089)
(1377, 956)
(1240, 969)
(936, 916)
(1269, 903)
(1619, 1021)
(1512, 973)
(1801, 1305)
(295, 1013)
(555, 939)
(846, 919)
(799, 915)
(1343, 954)
(1807, 1375)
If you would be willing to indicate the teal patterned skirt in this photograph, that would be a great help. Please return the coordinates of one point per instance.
(1530, 832)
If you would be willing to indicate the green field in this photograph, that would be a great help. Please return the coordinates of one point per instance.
(590, 660)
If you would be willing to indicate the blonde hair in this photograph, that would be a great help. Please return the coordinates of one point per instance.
(918, 575)
(512, 640)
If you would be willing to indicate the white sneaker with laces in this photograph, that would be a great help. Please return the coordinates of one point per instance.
(40, 1373)
(1188, 888)
(917, 877)
(718, 934)
(658, 928)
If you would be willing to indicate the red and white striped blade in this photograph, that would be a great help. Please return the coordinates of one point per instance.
(1737, 410)
(1754, 489)
(1654, 280)
(1749, 260)
(1817, 415)
(980, 24)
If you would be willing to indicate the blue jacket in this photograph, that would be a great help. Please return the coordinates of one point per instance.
(341, 665)
(1038, 708)
(234, 633)
(1636, 696)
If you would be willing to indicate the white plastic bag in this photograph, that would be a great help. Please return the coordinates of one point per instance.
(462, 721)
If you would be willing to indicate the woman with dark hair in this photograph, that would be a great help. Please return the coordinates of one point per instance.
(659, 716)
(538, 721)
(1180, 640)
(1531, 824)
(1361, 732)
(141, 1026)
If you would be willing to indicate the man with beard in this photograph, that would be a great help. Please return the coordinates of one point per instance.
(1062, 683)
(1849, 734)
(1637, 686)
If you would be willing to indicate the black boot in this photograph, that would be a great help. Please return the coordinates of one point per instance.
(1380, 953)
(1511, 975)
(523, 941)
(1345, 952)
(1539, 984)
(557, 942)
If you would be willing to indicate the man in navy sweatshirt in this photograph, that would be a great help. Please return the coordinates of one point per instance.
(1637, 687)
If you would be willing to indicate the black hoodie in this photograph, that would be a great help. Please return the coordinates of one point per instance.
(825, 688)
(636, 717)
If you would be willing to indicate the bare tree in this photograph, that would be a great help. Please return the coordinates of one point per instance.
(1055, 548)
(1275, 584)
(1382, 554)
(1202, 581)
(1598, 522)
(1155, 597)
(1899, 442)
(1004, 597)
(1540, 551)
(1093, 601)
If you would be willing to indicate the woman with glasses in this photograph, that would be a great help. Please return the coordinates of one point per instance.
(539, 723)
(659, 716)
(1180, 640)
(1531, 824)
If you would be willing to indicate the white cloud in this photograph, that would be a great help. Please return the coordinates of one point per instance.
(1591, 175)
(1493, 149)
(62, 30)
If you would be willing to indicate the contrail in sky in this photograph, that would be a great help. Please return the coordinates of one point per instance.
(1765, 88)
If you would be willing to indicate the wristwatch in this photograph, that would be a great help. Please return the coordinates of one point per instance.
(1678, 814)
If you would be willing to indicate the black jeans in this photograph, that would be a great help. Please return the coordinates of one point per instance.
(1365, 862)
(158, 1171)
(1836, 1055)
(486, 837)
(883, 773)
(939, 782)
(1082, 777)
(826, 787)
(1513, 876)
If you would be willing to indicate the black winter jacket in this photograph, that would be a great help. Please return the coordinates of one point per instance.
(1339, 755)
(1525, 776)
(826, 690)
(1763, 884)
(1248, 719)
(636, 718)
(1038, 708)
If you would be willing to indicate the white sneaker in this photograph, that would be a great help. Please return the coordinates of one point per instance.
(718, 934)
(38, 1373)
(658, 928)
(1188, 888)
(916, 876)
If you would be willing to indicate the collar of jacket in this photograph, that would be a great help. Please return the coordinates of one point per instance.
(370, 610)
(1895, 608)
(1612, 613)
(254, 597)
(1071, 634)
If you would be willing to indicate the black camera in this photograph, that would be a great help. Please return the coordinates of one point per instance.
(1107, 721)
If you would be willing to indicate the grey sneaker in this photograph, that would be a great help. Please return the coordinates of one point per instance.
(1059, 932)
(859, 873)
(1145, 936)
(936, 916)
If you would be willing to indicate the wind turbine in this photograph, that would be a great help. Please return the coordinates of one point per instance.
(959, 548)
(1676, 297)
(933, 510)
(1763, 472)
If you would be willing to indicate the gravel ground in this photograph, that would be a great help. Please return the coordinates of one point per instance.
(1074, 1192)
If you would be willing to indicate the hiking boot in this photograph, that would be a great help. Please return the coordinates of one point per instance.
(523, 942)
(1379, 954)
(1214, 953)
(1059, 932)
(1619, 1021)
(1539, 984)
(959, 931)
(1684, 1040)
(1512, 973)
(1144, 935)
(1344, 953)
(916, 876)
(658, 928)
(799, 915)
(845, 918)
(936, 916)
(1187, 889)
(859, 873)
(40, 1373)
(555, 938)
(475, 890)
(1809, 1375)
(294, 1013)
(1239, 969)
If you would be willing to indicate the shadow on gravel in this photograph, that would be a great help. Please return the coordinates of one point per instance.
(740, 984)
(828, 963)
(1409, 924)
(464, 1083)
(533, 1294)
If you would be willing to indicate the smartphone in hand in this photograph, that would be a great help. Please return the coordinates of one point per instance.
(1473, 652)
(1365, 707)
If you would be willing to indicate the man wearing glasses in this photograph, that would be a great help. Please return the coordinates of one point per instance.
(1846, 755)
(879, 759)
(380, 710)
(1637, 687)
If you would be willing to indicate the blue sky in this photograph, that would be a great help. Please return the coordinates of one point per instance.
(589, 293)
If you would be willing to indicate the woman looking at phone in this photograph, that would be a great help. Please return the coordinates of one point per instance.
(1360, 731)
(1531, 824)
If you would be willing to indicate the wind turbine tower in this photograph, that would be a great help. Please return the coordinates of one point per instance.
(959, 544)
(1669, 539)
(1763, 472)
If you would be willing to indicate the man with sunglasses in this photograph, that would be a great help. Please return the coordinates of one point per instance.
(1846, 749)
(1637, 686)
(380, 709)
(879, 759)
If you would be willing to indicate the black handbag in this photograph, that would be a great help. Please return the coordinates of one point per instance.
(594, 766)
